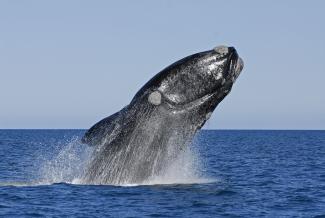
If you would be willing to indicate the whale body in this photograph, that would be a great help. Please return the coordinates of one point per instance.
(137, 142)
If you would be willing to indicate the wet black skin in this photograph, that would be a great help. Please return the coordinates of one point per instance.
(190, 90)
(209, 84)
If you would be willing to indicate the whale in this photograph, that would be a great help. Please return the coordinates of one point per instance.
(139, 141)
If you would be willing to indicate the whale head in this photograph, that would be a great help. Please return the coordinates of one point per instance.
(195, 84)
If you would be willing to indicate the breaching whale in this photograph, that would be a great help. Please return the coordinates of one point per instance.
(138, 142)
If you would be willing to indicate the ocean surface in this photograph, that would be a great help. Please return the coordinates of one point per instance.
(225, 174)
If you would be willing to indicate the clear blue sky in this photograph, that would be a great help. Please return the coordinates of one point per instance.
(67, 64)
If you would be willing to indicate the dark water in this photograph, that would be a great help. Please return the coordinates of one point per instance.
(251, 174)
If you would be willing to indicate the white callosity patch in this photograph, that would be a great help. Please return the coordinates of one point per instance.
(214, 67)
(223, 50)
(155, 98)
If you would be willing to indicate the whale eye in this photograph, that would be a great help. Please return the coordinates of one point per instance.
(155, 98)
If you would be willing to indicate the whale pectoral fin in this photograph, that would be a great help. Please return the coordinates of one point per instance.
(97, 133)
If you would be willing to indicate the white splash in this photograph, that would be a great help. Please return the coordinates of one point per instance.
(70, 163)
(185, 169)
(67, 166)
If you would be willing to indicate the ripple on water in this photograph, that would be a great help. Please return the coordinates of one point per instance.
(258, 174)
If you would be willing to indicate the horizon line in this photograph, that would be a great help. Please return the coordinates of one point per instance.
(222, 129)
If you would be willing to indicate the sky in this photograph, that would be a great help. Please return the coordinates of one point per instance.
(68, 64)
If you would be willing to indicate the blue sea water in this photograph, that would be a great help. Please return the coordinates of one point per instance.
(242, 174)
